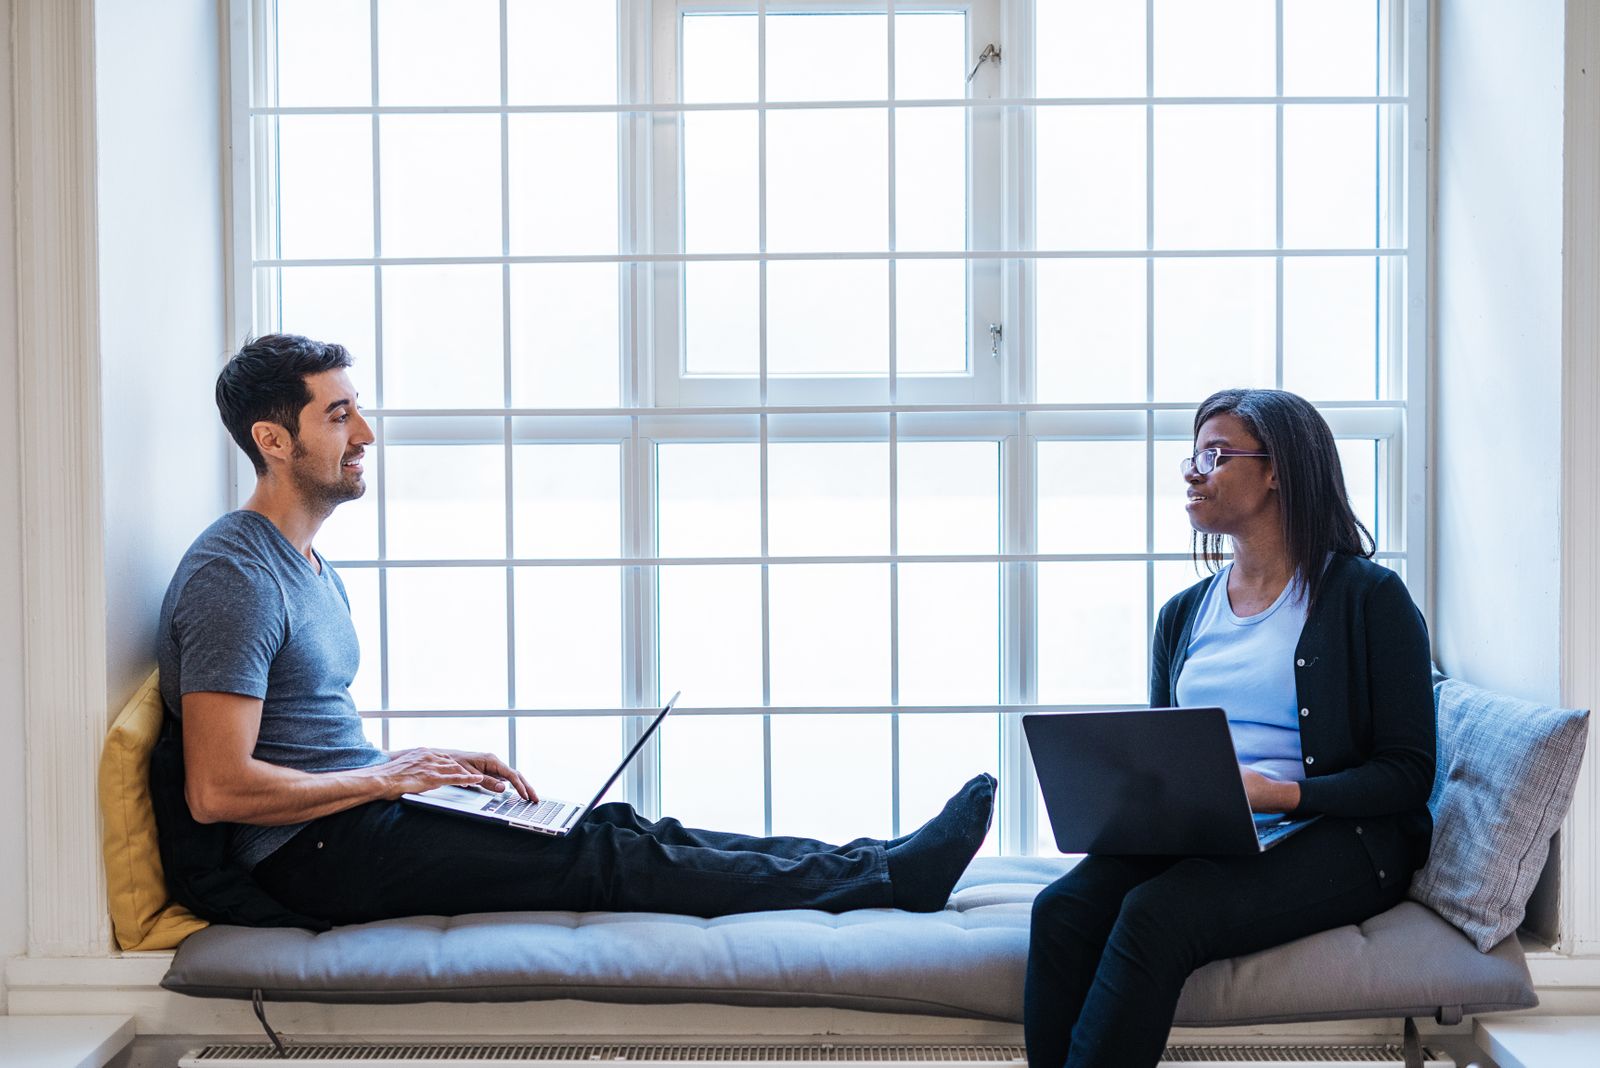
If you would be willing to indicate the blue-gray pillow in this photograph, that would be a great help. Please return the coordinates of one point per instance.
(1506, 773)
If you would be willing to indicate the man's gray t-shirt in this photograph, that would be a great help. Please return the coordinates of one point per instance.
(246, 613)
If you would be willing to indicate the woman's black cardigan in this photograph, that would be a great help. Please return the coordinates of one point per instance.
(1363, 683)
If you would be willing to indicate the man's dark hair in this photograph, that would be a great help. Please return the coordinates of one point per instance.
(1313, 504)
(265, 381)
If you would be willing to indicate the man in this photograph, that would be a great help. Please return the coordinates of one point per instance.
(257, 652)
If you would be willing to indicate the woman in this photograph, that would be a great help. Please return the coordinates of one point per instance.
(1321, 661)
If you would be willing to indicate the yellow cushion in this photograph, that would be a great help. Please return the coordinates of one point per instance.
(141, 914)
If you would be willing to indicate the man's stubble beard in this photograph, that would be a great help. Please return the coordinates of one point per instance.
(321, 495)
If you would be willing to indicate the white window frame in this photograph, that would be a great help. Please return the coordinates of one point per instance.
(998, 409)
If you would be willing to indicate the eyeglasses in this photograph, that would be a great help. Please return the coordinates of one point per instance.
(1206, 460)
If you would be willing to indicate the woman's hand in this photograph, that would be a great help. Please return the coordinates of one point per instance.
(1267, 794)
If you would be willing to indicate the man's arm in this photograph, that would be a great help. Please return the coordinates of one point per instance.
(225, 783)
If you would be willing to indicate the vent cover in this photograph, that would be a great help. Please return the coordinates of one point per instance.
(593, 1056)
(688, 1055)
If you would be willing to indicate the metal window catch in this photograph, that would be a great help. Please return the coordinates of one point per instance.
(996, 332)
(989, 52)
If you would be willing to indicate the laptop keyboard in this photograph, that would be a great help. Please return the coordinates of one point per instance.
(516, 808)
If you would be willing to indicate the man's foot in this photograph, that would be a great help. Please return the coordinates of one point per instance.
(925, 866)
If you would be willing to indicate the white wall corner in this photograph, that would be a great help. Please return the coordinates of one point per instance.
(1580, 466)
(63, 589)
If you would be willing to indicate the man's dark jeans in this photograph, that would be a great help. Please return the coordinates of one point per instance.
(1114, 940)
(387, 859)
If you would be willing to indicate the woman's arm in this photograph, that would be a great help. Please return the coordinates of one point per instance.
(1398, 775)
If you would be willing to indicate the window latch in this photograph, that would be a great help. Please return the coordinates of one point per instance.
(996, 332)
(989, 52)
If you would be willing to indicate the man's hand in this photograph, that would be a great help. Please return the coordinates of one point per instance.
(1267, 794)
(408, 769)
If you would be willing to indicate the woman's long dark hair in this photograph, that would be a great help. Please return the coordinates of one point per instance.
(1312, 502)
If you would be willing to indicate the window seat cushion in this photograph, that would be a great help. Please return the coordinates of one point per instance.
(966, 961)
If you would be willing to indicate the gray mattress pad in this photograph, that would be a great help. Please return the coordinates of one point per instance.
(965, 961)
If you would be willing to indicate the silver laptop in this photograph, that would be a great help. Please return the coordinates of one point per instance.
(1148, 782)
(544, 816)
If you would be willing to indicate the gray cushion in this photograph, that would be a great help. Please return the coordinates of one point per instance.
(1506, 772)
(964, 961)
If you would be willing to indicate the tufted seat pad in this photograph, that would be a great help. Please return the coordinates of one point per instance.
(965, 961)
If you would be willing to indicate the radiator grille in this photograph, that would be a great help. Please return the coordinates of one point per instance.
(509, 1055)
(1321, 1054)
(548, 1055)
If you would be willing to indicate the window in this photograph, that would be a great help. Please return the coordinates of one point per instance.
(799, 356)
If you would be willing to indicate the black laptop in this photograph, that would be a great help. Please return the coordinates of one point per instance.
(1148, 782)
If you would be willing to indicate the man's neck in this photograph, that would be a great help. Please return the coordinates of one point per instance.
(288, 512)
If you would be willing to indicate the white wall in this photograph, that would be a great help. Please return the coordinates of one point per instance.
(13, 832)
(159, 126)
(1497, 357)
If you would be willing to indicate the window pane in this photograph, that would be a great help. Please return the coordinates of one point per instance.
(324, 186)
(351, 532)
(813, 203)
(710, 619)
(1329, 328)
(568, 500)
(569, 637)
(1091, 496)
(828, 317)
(855, 750)
(830, 635)
(565, 335)
(1089, 48)
(949, 635)
(333, 304)
(581, 69)
(712, 772)
(938, 754)
(446, 501)
(1330, 176)
(930, 152)
(1214, 171)
(1330, 47)
(1091, 330)
(1359, 460)
(1214, 326)
(568, 757)
(443, 346)
(1215, 47)
(930, 49)
(447, 639)
(708, 499)
(828, 498)
(949, 497)
(484, 734)
(323, 53)
(722, 318)
(433, 55)
(1091, 174)
(361, 586)
(931, 317)
(827, 57)
(720, 63)
(1092, 641)
(721, 182)
(441, 185)
(563, 184)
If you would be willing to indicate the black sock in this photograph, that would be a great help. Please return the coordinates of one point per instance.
(924, 867)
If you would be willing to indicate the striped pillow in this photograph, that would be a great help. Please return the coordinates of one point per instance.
(1506, 773)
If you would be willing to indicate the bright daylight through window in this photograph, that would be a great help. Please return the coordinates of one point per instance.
(814, 358)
